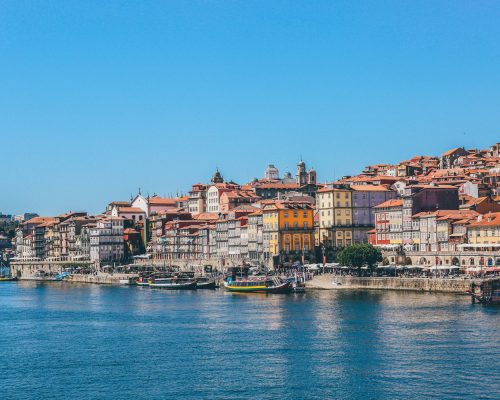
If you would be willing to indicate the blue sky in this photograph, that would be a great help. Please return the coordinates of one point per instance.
(100, 98)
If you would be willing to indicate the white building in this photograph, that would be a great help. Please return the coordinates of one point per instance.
(153, 204)
(469, 188)
(106, 240)
(271, 172)
(214, 192)
(133, 213)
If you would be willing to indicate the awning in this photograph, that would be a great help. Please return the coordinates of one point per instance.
(478, 246)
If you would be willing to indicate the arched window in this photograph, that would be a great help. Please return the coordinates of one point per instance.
(471, 262)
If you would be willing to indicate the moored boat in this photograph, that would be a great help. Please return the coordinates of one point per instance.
(7, 278)
(141, 281)
(259, 285)
(173, 283)
(205, 283)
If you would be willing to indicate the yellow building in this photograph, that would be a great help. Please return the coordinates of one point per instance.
(485, 231)
(334, 207)
(288, 227)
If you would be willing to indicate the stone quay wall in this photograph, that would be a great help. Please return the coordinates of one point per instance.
(335, 282)
(28, 269)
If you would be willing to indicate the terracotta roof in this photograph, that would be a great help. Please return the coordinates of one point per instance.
(130, 210)
(423, 186)
(255, 213)
(40, 220)
(370, 188)
(120, 203)
(492, 219)
(206, 216)
(447, 214)
(451, 151)
(475, 201)
(390, 203)
(162, 201)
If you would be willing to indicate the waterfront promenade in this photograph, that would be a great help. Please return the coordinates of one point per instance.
(455, 284)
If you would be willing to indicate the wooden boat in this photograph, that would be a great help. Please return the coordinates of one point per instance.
(205, 283)
(7, 278)
(259, 285)
(173, 283)
(141, 281)
(298, 283)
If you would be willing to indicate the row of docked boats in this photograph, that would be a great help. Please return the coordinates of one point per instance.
(253, 284)
(181, 281)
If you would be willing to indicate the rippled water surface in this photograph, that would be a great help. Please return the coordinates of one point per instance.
(66, 341)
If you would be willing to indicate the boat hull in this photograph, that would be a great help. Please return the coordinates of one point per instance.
(284, 288)
(8, 279)
(206, 285)
(174, 286)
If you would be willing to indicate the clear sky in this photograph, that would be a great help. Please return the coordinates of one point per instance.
(99, 98)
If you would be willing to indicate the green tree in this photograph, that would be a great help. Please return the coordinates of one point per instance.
(360, 255)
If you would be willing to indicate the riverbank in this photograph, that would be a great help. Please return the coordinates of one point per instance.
(335, 282)
(321, 282)
(100, 279)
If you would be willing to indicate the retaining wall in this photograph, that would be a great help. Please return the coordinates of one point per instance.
(329, 281)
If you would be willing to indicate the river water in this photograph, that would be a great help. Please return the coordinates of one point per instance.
(69, 341)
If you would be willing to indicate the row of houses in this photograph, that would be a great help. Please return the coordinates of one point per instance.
(422, 204)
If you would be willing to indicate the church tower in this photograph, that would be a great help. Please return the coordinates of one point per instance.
(301, 176)
(217, 178)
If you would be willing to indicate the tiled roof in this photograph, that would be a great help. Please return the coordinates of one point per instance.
(390, 203)
(130, 210)
(206, 216)
(451, 151)
(492, 219)
(162, 201)
(40, 220)
(370, 188)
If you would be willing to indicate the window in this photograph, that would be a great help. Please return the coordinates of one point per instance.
(305, 225)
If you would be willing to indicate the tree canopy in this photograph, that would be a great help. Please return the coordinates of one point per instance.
(359, 255)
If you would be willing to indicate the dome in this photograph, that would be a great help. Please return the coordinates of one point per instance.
(271, 172)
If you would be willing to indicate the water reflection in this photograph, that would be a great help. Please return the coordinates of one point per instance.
(74, 341)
